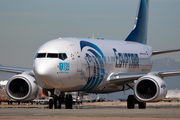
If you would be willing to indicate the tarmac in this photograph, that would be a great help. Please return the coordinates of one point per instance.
(95, 111)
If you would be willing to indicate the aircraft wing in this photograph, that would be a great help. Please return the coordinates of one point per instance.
(125, 78)
(15, 70)
(156, 52)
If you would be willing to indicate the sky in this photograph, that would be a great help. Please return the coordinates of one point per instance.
(26, 24)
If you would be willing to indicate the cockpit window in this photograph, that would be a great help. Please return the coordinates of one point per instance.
(62, 56)
(41, 55)
(52, 55)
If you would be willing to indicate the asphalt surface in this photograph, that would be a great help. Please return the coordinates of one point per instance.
(161, 113)
(95, 111)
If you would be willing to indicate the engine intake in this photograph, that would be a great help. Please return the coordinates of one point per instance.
(18, 88)
(150, 88)
(146, 89)
(22, 87)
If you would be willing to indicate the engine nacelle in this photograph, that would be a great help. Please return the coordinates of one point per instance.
(22, 87)
(150, 88)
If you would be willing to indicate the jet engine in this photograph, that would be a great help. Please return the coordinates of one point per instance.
(150, 88)
(22, 87)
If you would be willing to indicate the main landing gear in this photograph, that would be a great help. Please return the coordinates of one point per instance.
(59, 99)
(131, 101)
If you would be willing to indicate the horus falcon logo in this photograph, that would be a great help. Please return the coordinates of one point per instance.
(93, 56)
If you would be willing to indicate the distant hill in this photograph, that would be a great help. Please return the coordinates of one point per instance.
(165, 64)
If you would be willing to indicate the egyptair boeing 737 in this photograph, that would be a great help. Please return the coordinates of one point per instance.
(94, 66)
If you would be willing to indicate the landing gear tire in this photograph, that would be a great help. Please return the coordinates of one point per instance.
(142, 105)
(51, 104)
(130, 102)
(57, 103)
(68, 101)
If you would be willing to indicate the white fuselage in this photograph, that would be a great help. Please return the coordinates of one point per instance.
(79, 64)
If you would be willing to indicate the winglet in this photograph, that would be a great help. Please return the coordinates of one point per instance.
(139, 32)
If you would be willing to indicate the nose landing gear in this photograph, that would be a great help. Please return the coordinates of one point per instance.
(56, 101)
(59, 99)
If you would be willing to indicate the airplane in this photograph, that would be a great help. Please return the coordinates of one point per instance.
(94, 66)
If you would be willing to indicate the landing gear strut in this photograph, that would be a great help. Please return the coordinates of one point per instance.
(131, 101)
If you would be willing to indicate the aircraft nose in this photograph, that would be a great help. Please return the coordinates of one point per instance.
(43, 70)
(40, 70)
(42, 67)
(45, 73)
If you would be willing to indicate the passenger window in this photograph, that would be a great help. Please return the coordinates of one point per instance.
(41, 55)
(62, 56)
(52, 55)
